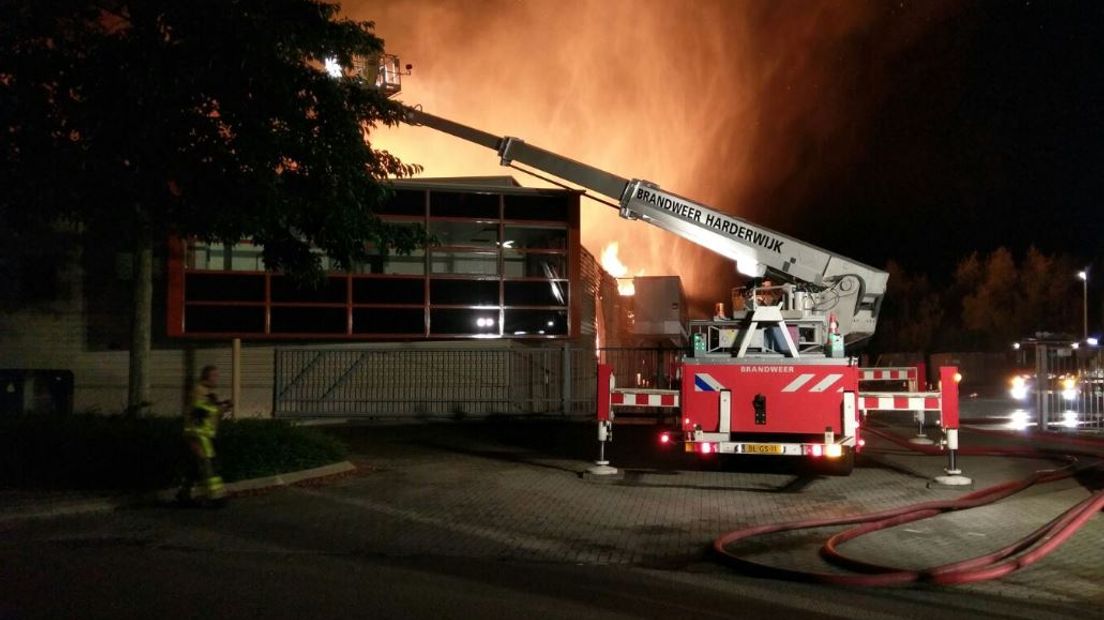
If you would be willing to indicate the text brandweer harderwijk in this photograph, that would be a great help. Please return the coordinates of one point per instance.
(720, 224)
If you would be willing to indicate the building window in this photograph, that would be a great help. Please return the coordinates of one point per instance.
(530, 293)
(389, 321)
(330, 290)
(500, 267)
(382, 291)
(412, 264)
(224, 319)
(464, 233)
(463, 292)
(535, 238)
(535, 322)
(463, 204)
(308, 320)
(549, 208)
(466, 322)
(405, 202)
(466, 263)
(242, 256)
(224, 287)
(534, 265)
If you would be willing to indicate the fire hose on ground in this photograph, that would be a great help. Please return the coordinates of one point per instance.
(996, 564)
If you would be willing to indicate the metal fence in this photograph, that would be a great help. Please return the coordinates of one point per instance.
(1069, 387)
(643, 367)
(1077, 408)
(457, 383)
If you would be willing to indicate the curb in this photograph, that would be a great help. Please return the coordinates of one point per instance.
(61, 509)
(90, 506)
(285, 479)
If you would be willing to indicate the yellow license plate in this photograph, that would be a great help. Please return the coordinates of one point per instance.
(762, 448)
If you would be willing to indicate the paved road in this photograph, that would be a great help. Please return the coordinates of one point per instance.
(479, 520)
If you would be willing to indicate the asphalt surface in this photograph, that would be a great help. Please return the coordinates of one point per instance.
(492, 520)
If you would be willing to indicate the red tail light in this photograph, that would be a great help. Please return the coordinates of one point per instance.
(664, 438)
(706, 448)
(818, 450)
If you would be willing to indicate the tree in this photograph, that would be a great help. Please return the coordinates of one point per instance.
(991, 302)
(208, 118)
(1050, 294)
(912, 314)
(989, 308)
(1003, 302)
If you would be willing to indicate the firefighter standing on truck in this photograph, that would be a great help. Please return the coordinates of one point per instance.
(767, 294)
(200, 429)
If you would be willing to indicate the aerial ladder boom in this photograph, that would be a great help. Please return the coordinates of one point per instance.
(832, 283)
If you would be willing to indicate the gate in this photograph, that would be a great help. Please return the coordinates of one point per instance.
(390, 382)
(653, 368)
(1069, 387)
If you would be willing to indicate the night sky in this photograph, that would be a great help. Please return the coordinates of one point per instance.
(989, 132)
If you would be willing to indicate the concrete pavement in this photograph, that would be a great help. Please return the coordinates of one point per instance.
(505, 508)
(19, 505)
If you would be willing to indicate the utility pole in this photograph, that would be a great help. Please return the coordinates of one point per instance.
(1084, 275)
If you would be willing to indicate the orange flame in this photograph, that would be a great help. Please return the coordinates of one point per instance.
(613, 266)
(611, 262)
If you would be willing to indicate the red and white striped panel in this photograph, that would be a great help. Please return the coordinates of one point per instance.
(887, 374)
(649, 398)
(899, 403)
(813, 382)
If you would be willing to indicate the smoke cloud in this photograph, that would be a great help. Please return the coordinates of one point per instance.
(753, 108)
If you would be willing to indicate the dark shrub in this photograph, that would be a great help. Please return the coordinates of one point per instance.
(115, 452)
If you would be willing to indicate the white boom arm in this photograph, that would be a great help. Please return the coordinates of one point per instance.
(851, 290)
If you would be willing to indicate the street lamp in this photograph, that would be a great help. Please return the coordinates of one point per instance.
(1084, 275)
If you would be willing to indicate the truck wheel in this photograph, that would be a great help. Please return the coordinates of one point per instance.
(842, 466)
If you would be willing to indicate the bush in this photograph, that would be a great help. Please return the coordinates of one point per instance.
(125, 453)
(252, 448)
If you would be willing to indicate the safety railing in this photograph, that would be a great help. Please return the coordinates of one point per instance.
(1067, 390)
(1077, 407)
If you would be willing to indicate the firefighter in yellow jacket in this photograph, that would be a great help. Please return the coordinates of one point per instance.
(200, 429)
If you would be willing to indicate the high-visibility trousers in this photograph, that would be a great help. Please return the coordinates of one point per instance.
(202, 474)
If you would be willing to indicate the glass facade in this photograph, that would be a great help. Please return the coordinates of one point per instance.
(501, 266)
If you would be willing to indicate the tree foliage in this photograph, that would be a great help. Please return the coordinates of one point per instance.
(207, 118)
(210, 118)
(990, 304)
(913, 312)
(991, 301)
